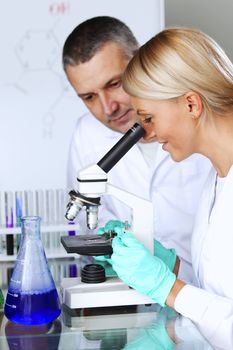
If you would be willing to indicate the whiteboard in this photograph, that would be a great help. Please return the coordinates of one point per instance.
(38, 108)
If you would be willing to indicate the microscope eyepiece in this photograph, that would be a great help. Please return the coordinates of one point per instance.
(127, 141)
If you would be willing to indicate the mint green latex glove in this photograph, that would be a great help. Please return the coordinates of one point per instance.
(113, 224)
(105, 260)
(135, 265)
(110, 226)
(155, 337)
(168, 256)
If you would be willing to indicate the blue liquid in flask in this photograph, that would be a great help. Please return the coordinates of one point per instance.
(32, 297)
(25, 308)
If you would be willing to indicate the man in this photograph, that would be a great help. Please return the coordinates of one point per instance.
(95, 55)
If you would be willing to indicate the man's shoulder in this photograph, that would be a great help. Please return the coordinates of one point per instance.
(90, 135)
(87, 123)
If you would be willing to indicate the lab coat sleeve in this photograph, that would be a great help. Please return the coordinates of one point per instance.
(80, 155)
(188, 336)
(212, 314)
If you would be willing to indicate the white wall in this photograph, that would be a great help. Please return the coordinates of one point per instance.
(38, 109)
(212, 16)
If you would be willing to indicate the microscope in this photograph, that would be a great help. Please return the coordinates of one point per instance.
(93, 289)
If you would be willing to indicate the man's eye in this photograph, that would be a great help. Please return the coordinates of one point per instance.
(115, 84)
(88, 97)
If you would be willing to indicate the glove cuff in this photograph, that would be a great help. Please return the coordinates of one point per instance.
(168, 256)
(163, 284)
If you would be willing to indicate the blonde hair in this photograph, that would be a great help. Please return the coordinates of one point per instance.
(178, 60)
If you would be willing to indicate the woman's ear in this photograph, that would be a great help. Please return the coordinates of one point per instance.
(193, 104)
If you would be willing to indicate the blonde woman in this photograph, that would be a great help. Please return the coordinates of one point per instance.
(181, 86)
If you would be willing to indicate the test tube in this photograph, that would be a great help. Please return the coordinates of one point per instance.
(2, 210)
(2, 221)
(40, 211)
(19, 214)
(52, 217)
(50, 206)
(59, 203)
(9, 222)
(72, 270)
(29, 203)
(39, 203)
(48, 217)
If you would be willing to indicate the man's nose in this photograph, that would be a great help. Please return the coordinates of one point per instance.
(109, 104)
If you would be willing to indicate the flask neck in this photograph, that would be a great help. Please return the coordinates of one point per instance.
(31, 227)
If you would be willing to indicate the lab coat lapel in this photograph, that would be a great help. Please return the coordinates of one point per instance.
(161, 156)
(201, 222)
(216, 266)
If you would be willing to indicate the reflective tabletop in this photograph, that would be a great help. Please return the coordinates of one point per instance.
(123, 327)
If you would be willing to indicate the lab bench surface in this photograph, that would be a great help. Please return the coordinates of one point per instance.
(122, 327)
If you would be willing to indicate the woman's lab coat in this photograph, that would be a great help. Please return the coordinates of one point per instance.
(212, 254)
(174, 188)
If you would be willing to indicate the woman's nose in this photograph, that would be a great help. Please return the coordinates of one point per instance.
(150, 134)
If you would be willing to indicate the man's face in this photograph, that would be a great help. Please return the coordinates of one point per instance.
(98, 83)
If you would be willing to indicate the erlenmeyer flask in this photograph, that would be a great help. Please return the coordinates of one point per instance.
(32, 296)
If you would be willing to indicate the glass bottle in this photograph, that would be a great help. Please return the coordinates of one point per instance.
(32, 297)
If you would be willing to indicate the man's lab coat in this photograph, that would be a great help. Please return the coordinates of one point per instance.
(174, 188)
(210, 304)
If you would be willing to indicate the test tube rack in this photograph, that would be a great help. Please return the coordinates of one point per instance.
(49, 204)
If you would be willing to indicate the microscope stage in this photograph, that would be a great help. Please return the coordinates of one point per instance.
(93, 245)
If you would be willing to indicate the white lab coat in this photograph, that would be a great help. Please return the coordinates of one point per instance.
(174, 188)
(212, 254)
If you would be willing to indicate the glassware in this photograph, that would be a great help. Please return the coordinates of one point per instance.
(32, 297)
(24, 337)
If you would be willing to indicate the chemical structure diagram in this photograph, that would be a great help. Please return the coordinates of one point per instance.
(42, 79)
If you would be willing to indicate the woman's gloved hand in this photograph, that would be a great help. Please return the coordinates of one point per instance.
(105, 260)
(110, 226)
(168, 256)
(156, 335)
(135, 265)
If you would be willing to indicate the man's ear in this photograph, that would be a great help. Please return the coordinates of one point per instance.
(193, 104)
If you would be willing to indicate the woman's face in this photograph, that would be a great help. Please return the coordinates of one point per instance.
(170, 123)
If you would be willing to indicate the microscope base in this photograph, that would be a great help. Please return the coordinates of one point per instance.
(112, 292)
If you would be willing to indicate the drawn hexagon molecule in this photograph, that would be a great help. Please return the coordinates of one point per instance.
(37, 50)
